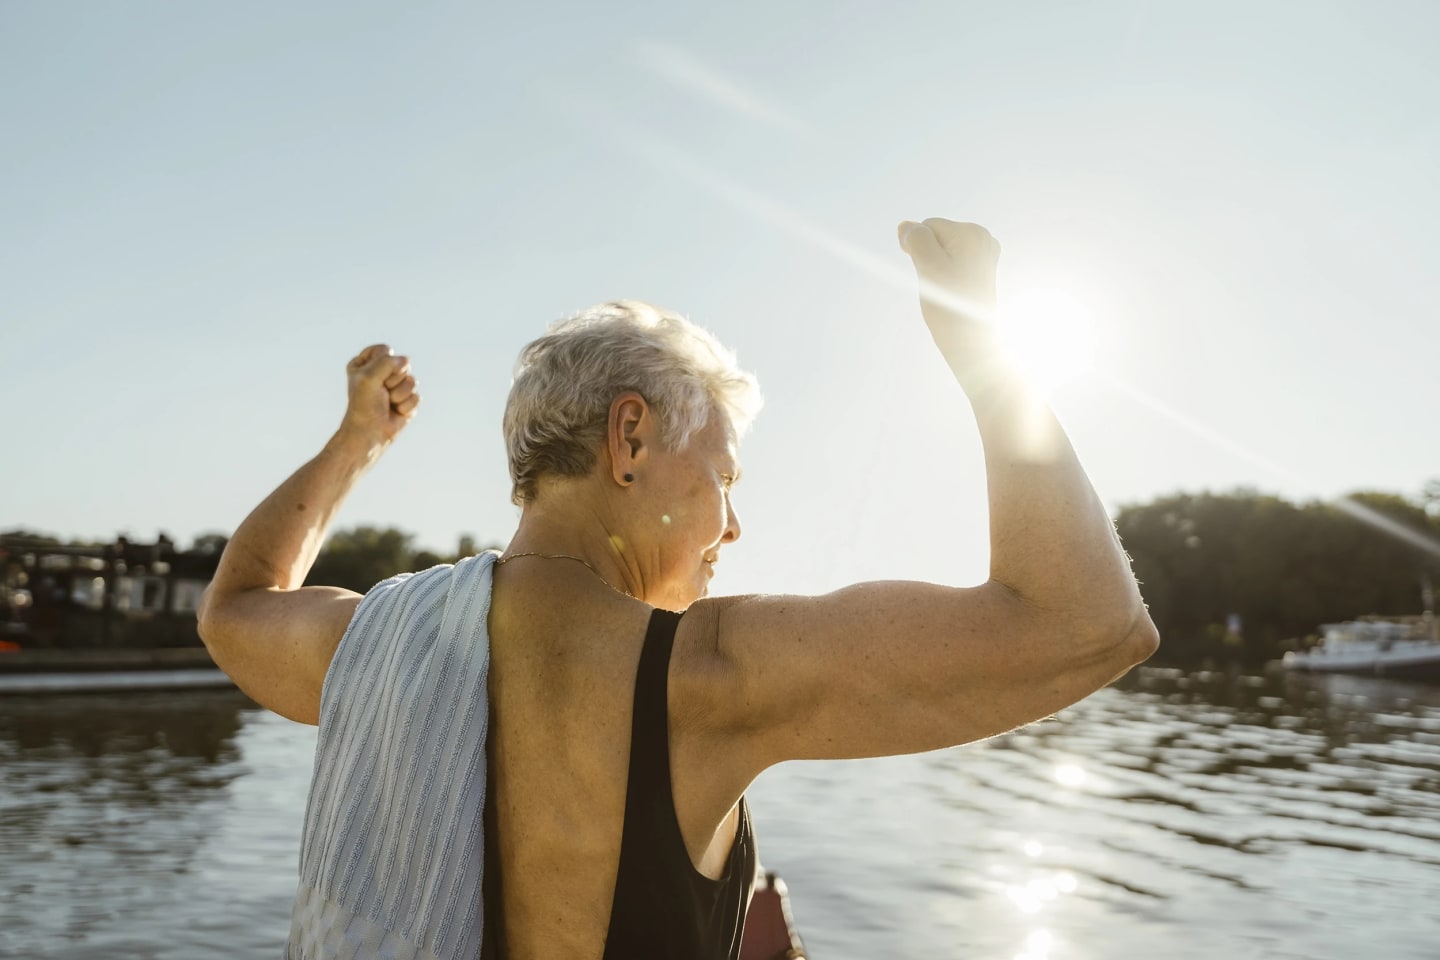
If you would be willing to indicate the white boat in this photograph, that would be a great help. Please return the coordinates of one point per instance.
(1407, 647)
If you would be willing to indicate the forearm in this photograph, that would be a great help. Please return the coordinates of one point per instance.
(1051, 539)
(277, 543)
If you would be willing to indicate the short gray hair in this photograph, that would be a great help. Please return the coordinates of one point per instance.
(556, 416)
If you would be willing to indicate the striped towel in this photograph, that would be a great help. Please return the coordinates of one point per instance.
(393, 845)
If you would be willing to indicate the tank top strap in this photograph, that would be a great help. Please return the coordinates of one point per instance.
(650, 728)
(664, 909)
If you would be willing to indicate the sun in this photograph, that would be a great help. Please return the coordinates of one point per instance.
(1049, 334)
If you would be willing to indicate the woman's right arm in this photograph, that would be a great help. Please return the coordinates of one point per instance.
(889, 668)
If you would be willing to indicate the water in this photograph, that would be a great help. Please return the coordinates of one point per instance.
(1178, 816)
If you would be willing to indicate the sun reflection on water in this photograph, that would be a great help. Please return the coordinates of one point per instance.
(1032, 895)
(1037, 946)
(1037, 890)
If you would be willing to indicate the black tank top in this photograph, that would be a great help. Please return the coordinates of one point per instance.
(665, 909)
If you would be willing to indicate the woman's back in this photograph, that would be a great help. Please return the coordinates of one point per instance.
(565, 649)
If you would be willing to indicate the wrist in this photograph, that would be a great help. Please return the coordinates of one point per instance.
(354, 448)
(991, 382)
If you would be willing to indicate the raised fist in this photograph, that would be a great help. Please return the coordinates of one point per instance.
(955, 263)
(382, 395)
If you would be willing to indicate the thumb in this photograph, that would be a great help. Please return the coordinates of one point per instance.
(369, 356)
(923, 246)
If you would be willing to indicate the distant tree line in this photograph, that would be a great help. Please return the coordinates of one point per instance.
(1237, 577)
(360, 557)
(1243, 577)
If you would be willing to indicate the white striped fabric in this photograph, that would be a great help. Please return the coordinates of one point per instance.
(393, 843)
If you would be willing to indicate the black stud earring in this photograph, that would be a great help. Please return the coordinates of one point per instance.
(629, 478)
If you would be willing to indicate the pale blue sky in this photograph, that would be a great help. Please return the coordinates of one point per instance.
(206, 208)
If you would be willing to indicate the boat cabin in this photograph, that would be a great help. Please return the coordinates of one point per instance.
(117, 595)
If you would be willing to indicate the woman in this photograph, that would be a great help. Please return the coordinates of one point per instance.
(624, 737)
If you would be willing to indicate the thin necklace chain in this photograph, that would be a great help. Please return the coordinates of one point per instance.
(566, 556)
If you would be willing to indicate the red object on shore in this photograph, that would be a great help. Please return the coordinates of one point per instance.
(769, 927)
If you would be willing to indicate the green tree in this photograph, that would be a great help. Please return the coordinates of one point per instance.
(212, 543)
(1282, 569)
(361, 557)
(20, 534)
(1430, 496)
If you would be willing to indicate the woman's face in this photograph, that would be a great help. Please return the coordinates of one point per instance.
(689, 515)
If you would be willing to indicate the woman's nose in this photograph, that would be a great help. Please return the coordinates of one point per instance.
(732, 525)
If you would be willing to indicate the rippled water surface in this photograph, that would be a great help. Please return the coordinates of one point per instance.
(1177, 816)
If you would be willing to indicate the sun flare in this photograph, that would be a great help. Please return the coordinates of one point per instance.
(1049, 335)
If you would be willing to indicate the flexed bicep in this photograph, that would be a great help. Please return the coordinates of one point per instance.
(888, 668)
(277, 644)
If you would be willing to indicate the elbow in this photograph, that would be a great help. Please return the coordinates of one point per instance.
(1131, 641)
(1141, 640)
(214, 624)
(204, 608)
(1120, 643)
(207, 621)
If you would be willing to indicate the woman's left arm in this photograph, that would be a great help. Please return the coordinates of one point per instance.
(274, 637)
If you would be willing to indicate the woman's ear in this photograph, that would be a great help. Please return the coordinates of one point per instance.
(629, 436)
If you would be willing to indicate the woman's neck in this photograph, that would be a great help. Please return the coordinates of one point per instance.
(580, 533)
